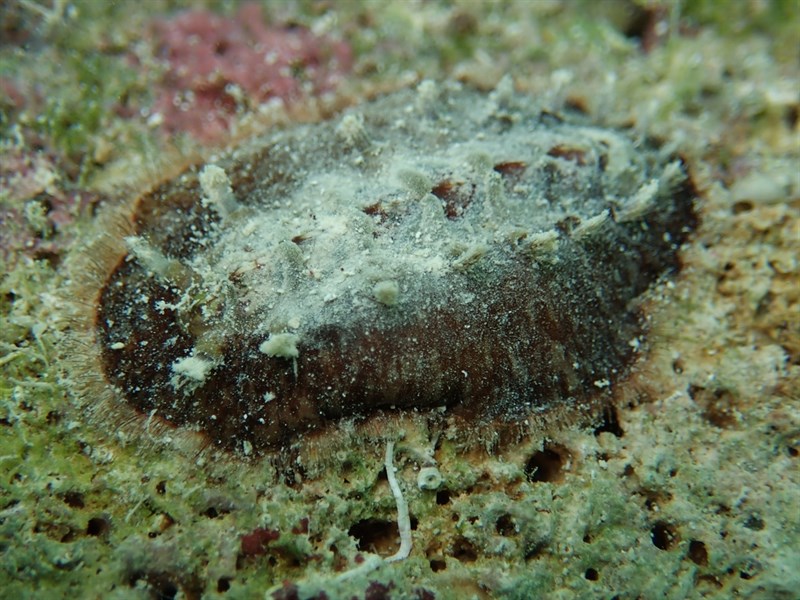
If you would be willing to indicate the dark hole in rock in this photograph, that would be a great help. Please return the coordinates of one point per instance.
(424, 594)
(754, 522)
(535, 550)
(591, 574)
(74, 499)
(462, 23)
(97, 526)
(163, 586)
(68, 537)
(378, 591)
(610, 424)
(463, 550)
(791, 116)
(711, 580)
(664, 535)
(698, 553)
(547, 465)
(221, 47)
(442, 497)
(506, 526)
(438, 565)
(53, 259)
(376, 535)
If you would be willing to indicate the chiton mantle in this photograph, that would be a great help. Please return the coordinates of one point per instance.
(438, 250)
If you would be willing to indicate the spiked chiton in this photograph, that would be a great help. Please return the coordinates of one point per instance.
(433, 248)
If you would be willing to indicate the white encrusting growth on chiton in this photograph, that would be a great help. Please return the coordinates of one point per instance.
(151, 258)
(386, 292)
(642, 202)
(417, 183)
(217, 191)
(646, 197)
(351, 130)
(592, 226)
(543, 242)
(283, 345)
(190, 372)
(672, 176)
(470, 256)
(428, 93)
(169, 270)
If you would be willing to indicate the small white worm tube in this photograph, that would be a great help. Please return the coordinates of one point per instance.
(403, 520)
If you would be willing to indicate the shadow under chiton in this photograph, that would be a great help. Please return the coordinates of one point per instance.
(434, 248)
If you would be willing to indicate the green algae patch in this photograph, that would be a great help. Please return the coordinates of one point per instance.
(699, 471)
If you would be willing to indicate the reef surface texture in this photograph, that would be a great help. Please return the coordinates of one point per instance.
(143, 174)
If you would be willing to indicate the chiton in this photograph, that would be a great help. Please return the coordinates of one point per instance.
(436, 250)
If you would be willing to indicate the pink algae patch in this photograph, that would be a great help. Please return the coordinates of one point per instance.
(10, 94)
(217, 64)
(256, 542)
(35, 209)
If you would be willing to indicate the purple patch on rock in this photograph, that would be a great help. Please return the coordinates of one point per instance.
(217, 64)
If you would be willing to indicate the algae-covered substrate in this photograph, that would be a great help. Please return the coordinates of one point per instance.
(385, 187)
